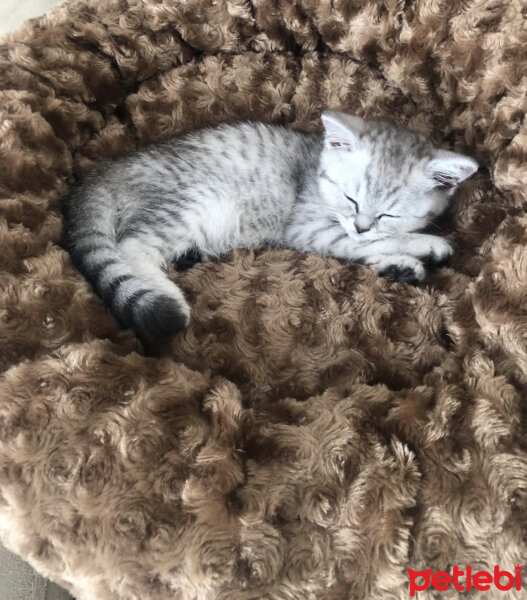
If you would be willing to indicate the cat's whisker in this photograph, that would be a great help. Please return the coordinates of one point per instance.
(435, 226)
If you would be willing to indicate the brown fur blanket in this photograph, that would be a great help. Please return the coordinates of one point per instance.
(317, 430)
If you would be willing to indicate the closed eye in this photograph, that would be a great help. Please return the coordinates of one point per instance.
(354, 203)
(391, 216)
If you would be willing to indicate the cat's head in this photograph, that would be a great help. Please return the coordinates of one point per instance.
(379, 178)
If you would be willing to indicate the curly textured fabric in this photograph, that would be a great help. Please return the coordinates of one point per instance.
(317, 430)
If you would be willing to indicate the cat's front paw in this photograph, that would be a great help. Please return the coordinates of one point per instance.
(398, 267)
(439, 251)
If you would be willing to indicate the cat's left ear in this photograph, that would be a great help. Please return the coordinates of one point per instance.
(342, 132)
(448, 169)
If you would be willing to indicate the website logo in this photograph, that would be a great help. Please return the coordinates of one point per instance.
(465, 580)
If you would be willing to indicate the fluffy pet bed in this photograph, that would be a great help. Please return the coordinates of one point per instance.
(317, 430)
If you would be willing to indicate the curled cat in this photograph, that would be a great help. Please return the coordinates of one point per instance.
(361, 191)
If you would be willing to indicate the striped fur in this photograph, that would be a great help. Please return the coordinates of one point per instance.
(358, 192)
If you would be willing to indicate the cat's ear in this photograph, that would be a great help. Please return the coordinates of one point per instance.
(448, 169)
(342, 132)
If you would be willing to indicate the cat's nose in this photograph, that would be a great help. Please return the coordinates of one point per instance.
(361, 229)
(363, 223)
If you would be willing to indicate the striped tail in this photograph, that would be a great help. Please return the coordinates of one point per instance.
(128, 276)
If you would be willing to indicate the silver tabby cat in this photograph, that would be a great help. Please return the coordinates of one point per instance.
(361, 191)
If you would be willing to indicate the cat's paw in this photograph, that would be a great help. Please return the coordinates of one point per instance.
(441, 251)
(398, 267)
(404, 274)
(431, 249)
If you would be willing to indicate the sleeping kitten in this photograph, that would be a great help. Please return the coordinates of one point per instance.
(357, 192)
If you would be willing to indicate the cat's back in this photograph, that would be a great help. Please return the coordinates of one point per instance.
(240, 161)
(245, 145)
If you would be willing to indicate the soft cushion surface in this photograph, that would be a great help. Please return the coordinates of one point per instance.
(317, 430)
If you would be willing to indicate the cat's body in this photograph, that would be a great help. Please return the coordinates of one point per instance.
(358, 192)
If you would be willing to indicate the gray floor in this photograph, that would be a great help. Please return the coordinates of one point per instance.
(18, 581)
